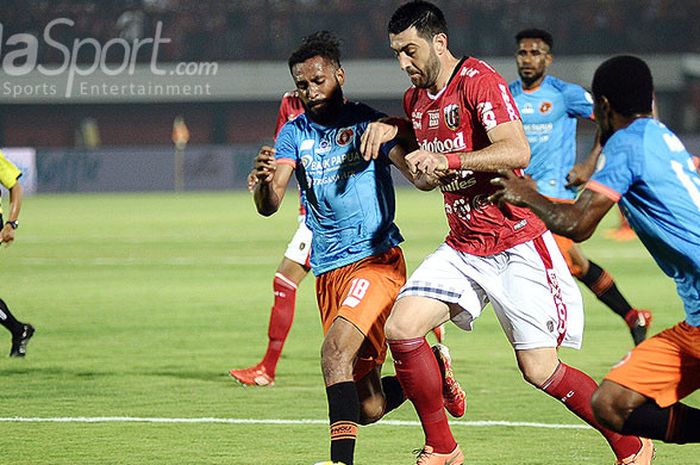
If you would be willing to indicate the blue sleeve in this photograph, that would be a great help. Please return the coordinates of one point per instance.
(615, 168)
(286, 143)
(579, 101)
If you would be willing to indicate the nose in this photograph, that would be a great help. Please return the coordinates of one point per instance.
(313, 92)
(404, 61)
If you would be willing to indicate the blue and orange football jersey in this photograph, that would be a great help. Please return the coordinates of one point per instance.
(350, 202)
(549, 116)
(648, 170)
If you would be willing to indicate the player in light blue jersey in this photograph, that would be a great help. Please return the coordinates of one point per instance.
(550, 109)
(645, 168)
(355, 256)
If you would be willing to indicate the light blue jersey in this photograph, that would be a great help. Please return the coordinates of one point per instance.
(549, 118)
(648, 170)
(349, 201)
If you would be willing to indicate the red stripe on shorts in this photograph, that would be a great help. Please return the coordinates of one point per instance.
(554, 287)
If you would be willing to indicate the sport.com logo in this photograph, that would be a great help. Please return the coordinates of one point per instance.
(22, 53)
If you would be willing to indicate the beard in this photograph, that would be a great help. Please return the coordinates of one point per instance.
(428, 77)
(326, 110)
(529, 80)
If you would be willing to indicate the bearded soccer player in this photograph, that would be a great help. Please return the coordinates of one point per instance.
(291, 271)
(355, 256)
(466, 122)
(645, 168)
(549, 108)
(9, 178)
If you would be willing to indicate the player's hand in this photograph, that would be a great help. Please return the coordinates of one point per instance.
(374, 136)
(514, 189)
(7, 235)
(422, 161)
(252, 181)
(265, 165)
(579, 175)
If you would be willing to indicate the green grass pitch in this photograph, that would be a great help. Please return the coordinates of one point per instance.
(143, 302)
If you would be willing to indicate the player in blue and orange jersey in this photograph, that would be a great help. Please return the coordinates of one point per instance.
(9, 178)
(646, 169)
(550, 108)
(355, 256)
(289, 274)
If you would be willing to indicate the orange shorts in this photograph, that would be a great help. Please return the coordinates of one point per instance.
(363, 293)
(565, 244)
(665, 368)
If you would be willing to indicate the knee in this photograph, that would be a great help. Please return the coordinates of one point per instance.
(536, 374)
(335, 359)
(398, 326)
(606, 409)
(372, 410)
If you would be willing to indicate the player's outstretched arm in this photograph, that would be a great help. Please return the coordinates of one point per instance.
(384, 130)
(509, 150)
(422, 181)
(7, 234)
(273, 179)
(576, 221)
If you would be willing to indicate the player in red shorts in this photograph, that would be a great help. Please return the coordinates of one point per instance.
(466, 122)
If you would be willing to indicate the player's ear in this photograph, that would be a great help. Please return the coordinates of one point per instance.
(340, 75)
(440, 43)
(548, 59)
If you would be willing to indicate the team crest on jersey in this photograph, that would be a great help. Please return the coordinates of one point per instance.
(345, 136)
(545, 107)
(433, 119)
(451, 113)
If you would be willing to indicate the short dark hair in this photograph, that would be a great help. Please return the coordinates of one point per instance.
(321, 43)
(534, 33)
(427, 18)
(627, 83)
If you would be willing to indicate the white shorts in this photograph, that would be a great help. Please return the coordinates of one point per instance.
(535, 298)
(299, 248)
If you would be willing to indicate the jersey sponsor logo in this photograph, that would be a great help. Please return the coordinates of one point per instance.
(527, 109)
(324, 147)
(345, 136)
(469, 72)
(433, 119)
(306, 144)
(464, 180)
(358, 289)
(451, 113)
(545, 107)
(443, 146)
(463, 206)
(417, 119)
(306, 161)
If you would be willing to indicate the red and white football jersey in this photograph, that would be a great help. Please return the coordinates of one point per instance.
(475, 100)
(290, 108)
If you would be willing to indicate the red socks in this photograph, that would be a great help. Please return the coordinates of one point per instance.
(281, 318)
(419, 375)
(574, 389)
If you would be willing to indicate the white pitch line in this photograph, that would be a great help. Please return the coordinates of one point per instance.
(254, 421)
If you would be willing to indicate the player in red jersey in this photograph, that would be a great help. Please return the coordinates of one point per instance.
(290, 272)
(466, 122)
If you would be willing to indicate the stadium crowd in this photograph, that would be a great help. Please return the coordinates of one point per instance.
(263, 29)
